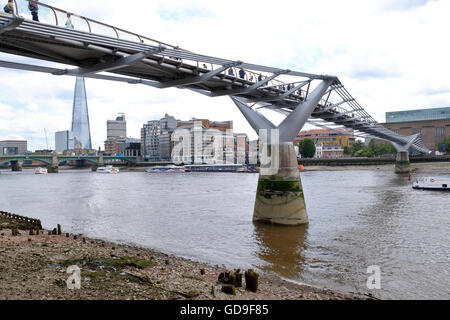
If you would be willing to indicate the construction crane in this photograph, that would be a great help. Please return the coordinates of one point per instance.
(46, 140)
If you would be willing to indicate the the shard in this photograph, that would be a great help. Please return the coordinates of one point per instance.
(80, 117)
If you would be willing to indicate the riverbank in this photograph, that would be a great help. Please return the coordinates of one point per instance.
(33, 267)
(441, 168)
(416, 167)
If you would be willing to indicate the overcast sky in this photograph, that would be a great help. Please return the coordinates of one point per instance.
(390, 54)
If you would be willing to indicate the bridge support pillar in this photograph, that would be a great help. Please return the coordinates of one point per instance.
(402, 164)
(279, 196)
(54, 167)
(16, 166)
(101, 160)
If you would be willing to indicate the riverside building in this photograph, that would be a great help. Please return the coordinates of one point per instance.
(433, 124)
(329, 139)
(116, 134)
(13, 147)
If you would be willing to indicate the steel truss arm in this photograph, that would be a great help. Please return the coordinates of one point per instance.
(292, 125)
(294, 121)
(338, 115)
(288, 93)
(334, 87)
(28, 67)
(11, 25)
(205, 77)
(256, 120)
(110, 66)
(250, 88)
(334, 105)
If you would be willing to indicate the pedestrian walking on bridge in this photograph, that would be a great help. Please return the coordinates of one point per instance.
(69, 24)
(34, 8)
(9, 8)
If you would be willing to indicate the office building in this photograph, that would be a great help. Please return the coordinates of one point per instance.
(80, 117)
(13, 147)
(116, 128)
(116, 133)
(130, 148)
(64, 140)
(156, 139)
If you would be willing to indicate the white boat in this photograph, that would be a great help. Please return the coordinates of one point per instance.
(432, 183)
(41, 171)
(108, 169)
(165, 169)
(216, 168)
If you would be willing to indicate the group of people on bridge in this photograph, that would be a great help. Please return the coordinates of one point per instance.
(33, 6)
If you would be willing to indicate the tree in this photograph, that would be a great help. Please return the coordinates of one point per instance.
(444, 145)
(347, 151)
(381, 148)
(358, 145)
(307, 148)
(364, 152)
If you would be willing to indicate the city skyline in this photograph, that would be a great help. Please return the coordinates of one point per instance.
(382, 74)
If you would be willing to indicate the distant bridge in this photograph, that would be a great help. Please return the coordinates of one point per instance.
(101, 51)
(56, 160)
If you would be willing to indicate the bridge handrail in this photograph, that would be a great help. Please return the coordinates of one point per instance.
(141, 38)
(89, 20)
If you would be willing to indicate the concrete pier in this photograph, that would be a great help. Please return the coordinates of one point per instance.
(54, 167)
(16, 166)
(101, 160)
(279, 197)
(402, 164)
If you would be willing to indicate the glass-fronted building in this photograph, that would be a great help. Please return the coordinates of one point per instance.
(64, 140)
(418, 115)
(80, 117)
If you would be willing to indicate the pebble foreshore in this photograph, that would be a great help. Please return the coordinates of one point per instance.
(33, 266)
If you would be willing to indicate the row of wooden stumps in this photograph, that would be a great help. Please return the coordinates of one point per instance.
(56, 231)
(231, 281)
(30, 221)
(37, 231)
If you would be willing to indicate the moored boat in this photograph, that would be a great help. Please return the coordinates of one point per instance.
(108, 169)
(165, 169)
(432, 183)
(216, 168)
(41, 171)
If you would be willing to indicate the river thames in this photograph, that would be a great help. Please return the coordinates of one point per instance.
(357, 219)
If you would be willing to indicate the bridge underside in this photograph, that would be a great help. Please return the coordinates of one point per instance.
(302, 97)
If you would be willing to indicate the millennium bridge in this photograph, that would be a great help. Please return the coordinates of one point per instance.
(101, 51)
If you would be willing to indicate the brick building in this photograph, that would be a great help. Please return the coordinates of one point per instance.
(433, 124)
